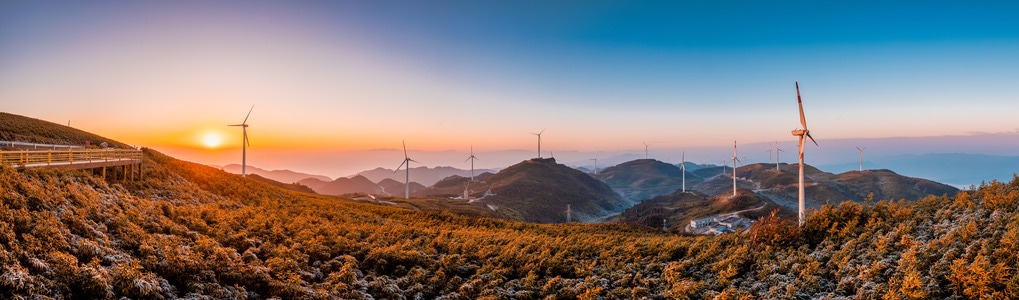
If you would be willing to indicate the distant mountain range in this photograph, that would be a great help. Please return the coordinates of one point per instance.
(285, 176)
(958, 169)
(424, 175)
(821, 187)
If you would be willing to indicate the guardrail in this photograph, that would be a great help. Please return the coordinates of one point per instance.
(44, 158)
(35, 146)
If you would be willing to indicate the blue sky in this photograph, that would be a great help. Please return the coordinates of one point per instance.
(445, 75)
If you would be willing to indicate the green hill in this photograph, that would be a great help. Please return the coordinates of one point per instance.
(17, 128)
(642, 179)
(538, 190)
(823, 187)
(680, 208)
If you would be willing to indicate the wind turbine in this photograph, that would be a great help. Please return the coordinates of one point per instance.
(568, 213)
(682, 168)
(777, 150)
(861, 157)
(734, 161)
(244, 143)
(406, 161)
(472, 158)
(539, 141)
(802, 133)
(595, 159)
(645, 149)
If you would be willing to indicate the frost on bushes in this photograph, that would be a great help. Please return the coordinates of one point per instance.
(189, 231)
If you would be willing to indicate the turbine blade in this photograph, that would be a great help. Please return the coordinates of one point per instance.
(408, 159)
(812, 139)
(803, 120)
(469, 158)
(404, 149)
(246, 141)
(401, 166)
(249, 114)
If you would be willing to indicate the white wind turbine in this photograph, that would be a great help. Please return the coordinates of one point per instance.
(682, 168)
(406, 161)
(777, 150)
(801, 133)
(645, 149)
(244, 143)
(595, 159)
(539, 141)
(734, 161)
(861, 157)
(472, 158)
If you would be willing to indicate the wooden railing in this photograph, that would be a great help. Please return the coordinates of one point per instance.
(44, 158)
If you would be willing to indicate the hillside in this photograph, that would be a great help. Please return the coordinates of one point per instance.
(453, 187)
(17, 128)
(679, 208)
(340, 186)
(822, 187)
(538, 190)
(192, 231)
(189, 230)
(398, 188)
(297, 187)
(721, 184)
(642, 179)
(285, 176)
(424, 175)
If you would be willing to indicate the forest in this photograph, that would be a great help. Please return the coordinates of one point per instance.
(187, 230)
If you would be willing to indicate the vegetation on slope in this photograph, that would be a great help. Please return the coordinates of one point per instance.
(680, 208)
(192, 231)
(538, 190)
(30, 130)
(297, 187)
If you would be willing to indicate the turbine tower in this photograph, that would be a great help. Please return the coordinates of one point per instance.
(861, 157)
(472, 158)
(801, 133)
(244, 143)
(595, 159)
(645, 149)
(539, 141)
(734, 161)
(568, 213)
(406, 161)
(777, 150)
(682, 168)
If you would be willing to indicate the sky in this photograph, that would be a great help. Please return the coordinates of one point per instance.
(336, 86)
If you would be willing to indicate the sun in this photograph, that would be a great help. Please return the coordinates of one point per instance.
(211, 140)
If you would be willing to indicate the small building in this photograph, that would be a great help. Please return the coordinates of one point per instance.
(731, 221)
(702, 222)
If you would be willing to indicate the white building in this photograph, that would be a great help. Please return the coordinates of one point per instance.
(698, 223)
